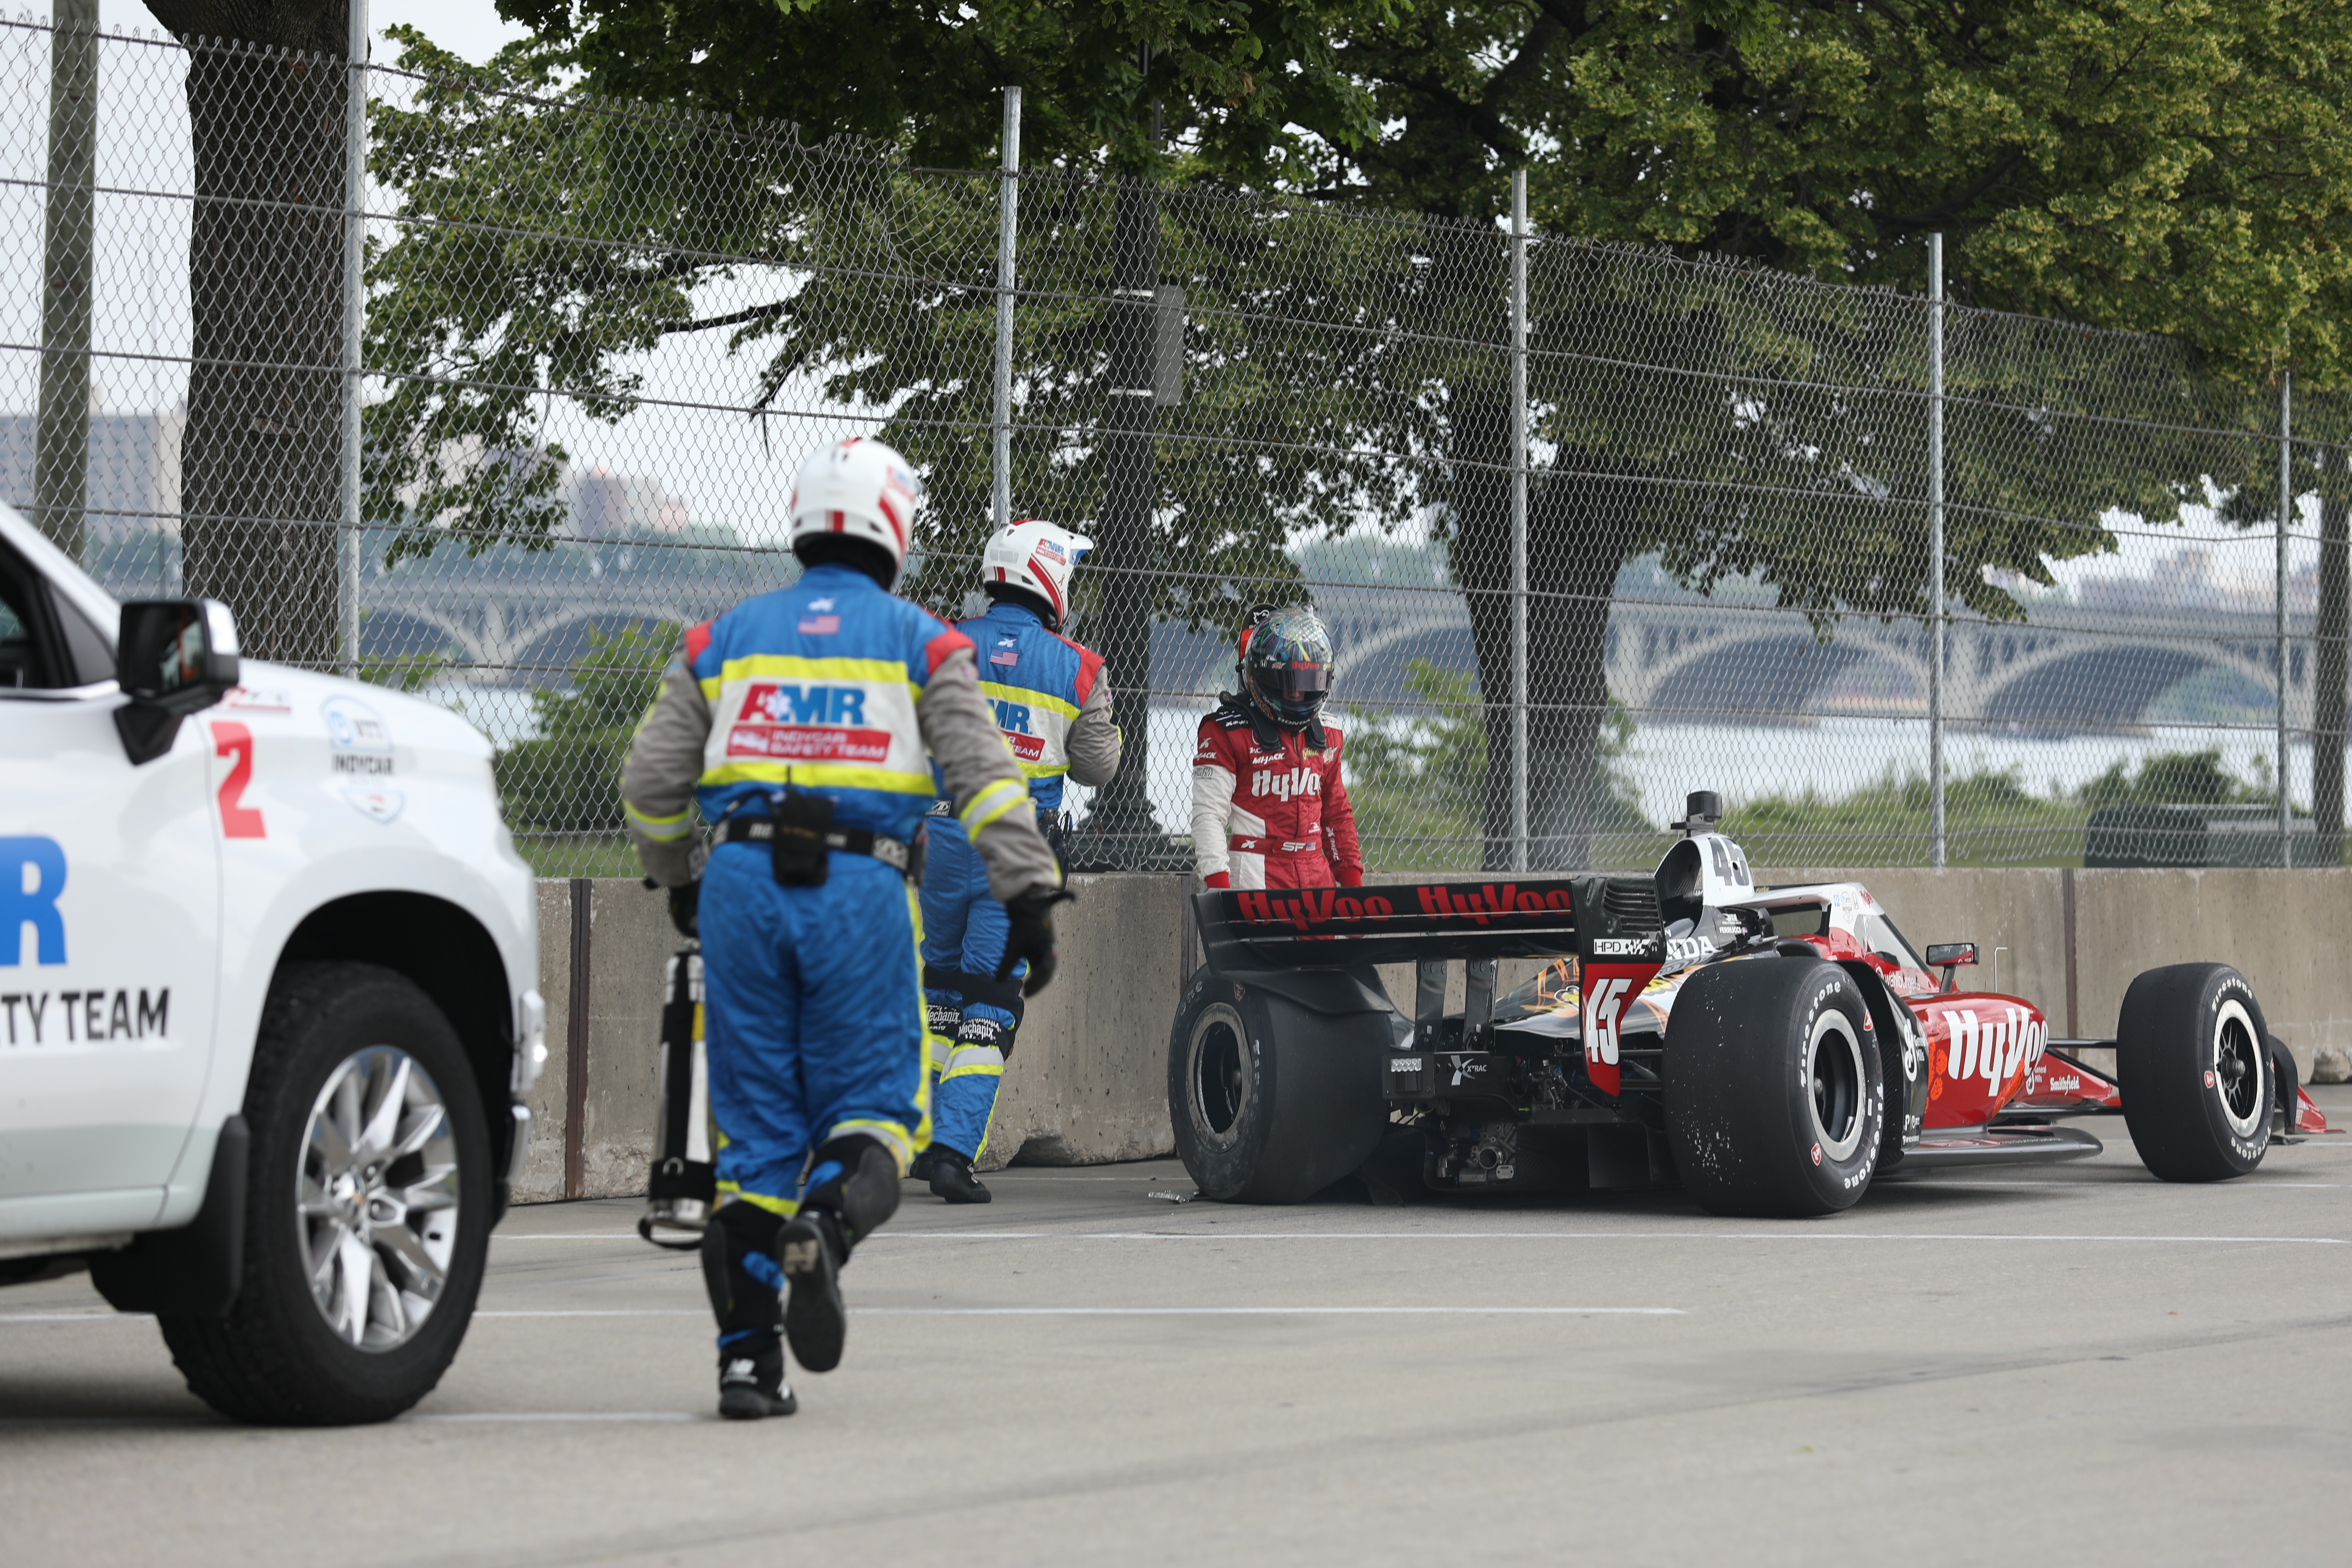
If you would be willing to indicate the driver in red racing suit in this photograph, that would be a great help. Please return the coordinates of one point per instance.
(1269, 808)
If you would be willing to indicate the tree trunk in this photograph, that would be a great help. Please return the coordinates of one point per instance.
(259, 454)
(1579, 531)
(1120, 828)
(61, 431)
(2328, 665)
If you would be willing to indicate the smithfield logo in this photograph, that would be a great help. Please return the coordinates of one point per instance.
(32, 876)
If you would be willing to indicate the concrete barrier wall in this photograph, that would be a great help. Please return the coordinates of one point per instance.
(2076, 937)
(1088, 1082)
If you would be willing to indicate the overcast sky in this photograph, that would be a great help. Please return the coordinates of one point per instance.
(468, 28)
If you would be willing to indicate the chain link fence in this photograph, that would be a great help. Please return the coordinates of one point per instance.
(599, 338)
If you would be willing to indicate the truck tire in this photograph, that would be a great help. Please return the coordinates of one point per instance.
(370, 1177)
(1272, 1102)
(2195, 1072)
(1775, 1087)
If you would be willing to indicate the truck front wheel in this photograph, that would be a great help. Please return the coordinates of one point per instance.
(368, 1208)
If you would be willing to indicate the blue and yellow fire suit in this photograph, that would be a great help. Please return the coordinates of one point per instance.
(815, 1015)
(1051, 699)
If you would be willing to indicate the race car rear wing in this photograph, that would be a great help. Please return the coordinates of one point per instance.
(1611, 920)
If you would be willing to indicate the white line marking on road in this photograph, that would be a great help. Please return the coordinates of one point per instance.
(1794, 1233)
(1262, 1311)
(1136, 1312)
(471, 1418)
(77, 1316)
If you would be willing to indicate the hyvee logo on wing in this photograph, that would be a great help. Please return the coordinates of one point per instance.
(812, 723)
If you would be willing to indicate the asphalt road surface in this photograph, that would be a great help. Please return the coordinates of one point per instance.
(2076, 1363)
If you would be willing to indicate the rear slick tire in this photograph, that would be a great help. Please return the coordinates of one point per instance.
(1271, 1102)
(1775, 1089)
(2196, 1072)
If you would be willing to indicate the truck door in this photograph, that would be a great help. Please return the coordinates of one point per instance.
(108, 899)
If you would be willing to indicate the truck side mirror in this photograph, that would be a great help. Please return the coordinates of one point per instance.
(172, 658)
(1946, 956)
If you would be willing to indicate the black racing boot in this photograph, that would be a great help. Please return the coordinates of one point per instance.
(815, 1321)
(952, 1177)
(853, 1187)
(919, 1169)
(752, 1382)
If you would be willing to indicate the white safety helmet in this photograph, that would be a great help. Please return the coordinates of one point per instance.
(857, 488)
(1036, 558)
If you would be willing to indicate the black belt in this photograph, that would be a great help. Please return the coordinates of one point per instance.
(892, 852)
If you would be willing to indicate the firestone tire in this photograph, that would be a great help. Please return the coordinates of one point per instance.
(355, 1068)
(1270, 1103)
(1775, 1089)
(2196, 1073)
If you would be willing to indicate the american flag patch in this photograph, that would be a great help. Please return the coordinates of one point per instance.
(821, 626)
(1006, 659)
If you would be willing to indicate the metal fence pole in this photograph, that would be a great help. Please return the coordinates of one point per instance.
(355, 307)
(1936, 608)
(1518, 520)
(61, 430)
(2278, 600)
(1008, 216)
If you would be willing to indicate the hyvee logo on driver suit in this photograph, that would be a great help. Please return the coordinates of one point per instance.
(813, 723)
(1283, 783)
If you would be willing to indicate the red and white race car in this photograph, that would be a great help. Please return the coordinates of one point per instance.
(1774, 1050)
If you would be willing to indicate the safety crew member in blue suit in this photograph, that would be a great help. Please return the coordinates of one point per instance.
(805, 724)
(1053, 703)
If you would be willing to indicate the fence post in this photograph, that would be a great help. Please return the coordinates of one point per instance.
(1008, 215)
(61, 430)
(2278, 602)
(347, 596)
(1936, 607)
(1520, 520)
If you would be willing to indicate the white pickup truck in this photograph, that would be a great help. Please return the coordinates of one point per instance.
(267, 997)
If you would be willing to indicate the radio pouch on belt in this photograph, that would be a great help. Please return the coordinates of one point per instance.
(802, 821)
(685, 1179)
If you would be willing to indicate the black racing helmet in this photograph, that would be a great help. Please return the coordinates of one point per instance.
(1286, 665)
